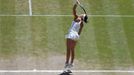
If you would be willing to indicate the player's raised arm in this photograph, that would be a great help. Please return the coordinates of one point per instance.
(74, 11)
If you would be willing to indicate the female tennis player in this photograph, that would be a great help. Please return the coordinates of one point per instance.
(73, 36)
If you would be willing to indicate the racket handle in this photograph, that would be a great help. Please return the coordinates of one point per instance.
(78, 1)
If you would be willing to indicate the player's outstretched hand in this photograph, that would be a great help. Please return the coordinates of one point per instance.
(77, 1)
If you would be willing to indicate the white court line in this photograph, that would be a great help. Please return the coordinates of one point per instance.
(30, 7)
(72, 15)
(75, 71)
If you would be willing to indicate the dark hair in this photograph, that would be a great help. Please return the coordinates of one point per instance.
(85, 19)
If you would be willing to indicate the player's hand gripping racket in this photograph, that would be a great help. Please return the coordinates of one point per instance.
(81, 6)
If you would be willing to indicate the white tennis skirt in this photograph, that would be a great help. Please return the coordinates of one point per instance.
(72, 35)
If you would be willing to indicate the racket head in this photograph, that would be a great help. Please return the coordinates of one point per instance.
(83, 8)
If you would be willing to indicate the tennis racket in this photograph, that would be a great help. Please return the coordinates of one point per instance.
(82, 7)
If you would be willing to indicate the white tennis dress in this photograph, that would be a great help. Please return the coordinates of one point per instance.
(73, 31)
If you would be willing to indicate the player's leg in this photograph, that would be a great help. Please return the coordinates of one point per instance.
(66, 68)
(68, 43)
(72, 44)
(72, 51)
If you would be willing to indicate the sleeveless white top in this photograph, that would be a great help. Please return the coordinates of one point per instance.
(75, 27)
(73, 31)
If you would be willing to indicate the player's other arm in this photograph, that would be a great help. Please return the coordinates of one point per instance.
(81, 27)
(74, 11)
